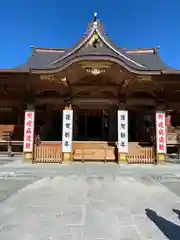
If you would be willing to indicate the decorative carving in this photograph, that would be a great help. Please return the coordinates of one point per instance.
(95, 41)
(48, 77)
(95, 71)
(143, 79)
(55, 78)
(64, 79)
(95, 68)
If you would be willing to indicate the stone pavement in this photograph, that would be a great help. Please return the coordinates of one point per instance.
(89, 201)
(4, 159)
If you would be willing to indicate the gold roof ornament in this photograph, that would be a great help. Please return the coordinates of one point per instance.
(93, 39)
(95, 19)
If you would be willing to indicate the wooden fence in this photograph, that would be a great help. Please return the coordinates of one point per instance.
(51, 152)
(48, 152)
(141, 155)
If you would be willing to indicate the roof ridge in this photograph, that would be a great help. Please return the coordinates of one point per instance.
(41, 49)
(143, 50)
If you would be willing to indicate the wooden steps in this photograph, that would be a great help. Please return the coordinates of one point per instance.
(93, 151)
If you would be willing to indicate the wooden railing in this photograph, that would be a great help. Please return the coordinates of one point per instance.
(11, 148)
(48, 152)
(141, 154)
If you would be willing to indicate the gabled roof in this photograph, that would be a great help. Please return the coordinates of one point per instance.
(138, 60)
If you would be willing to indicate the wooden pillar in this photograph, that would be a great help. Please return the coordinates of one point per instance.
(122, 121)
(160, 134)
(102, 126)
(19, 120)
(29, 133)
(67, 150)
(20, 113)
(86, 126)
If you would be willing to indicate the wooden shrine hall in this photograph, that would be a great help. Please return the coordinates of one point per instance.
(93, 102)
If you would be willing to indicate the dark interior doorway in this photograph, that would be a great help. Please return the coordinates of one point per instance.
(56, 126)
(94, 128)
(51, 126)
(132, 126)
(140, 126)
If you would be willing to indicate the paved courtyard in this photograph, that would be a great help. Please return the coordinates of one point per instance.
(89, 201)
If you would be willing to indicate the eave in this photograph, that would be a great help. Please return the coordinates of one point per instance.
(73, 60)
(171, 71)
(14, 71)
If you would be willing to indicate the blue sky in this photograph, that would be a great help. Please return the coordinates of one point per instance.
(59, 23)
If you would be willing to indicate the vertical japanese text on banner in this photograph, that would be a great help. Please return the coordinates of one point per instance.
(123, 131)
(67, 130)
(161, 132)
(29, 131)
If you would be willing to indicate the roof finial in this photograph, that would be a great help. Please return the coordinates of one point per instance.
(95, 18)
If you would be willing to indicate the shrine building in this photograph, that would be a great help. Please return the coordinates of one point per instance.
(93, 102)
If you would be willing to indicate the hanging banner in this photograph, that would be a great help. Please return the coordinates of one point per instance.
(67, 131)
(161, 132)
(29, 131)
(122, 131)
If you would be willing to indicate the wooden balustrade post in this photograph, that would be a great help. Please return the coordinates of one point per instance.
(67, 133)
(29, 119)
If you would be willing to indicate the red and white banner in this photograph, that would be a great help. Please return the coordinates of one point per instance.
(29, 131)
(161, 132)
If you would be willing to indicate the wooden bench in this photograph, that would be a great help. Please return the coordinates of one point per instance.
(9, 143)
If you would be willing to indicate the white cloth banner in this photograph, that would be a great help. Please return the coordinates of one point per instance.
(67, 131)
(29, 131)
(122, 131)
(161, 132)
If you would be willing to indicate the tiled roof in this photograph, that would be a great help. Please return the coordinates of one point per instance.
(41, 57)
(139, 59)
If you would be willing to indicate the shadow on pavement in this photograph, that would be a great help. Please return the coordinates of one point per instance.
(169, 229)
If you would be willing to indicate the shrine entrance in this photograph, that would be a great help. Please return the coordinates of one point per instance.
(141, 127)
(49, 125)
(141, 131)
(93, 125)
